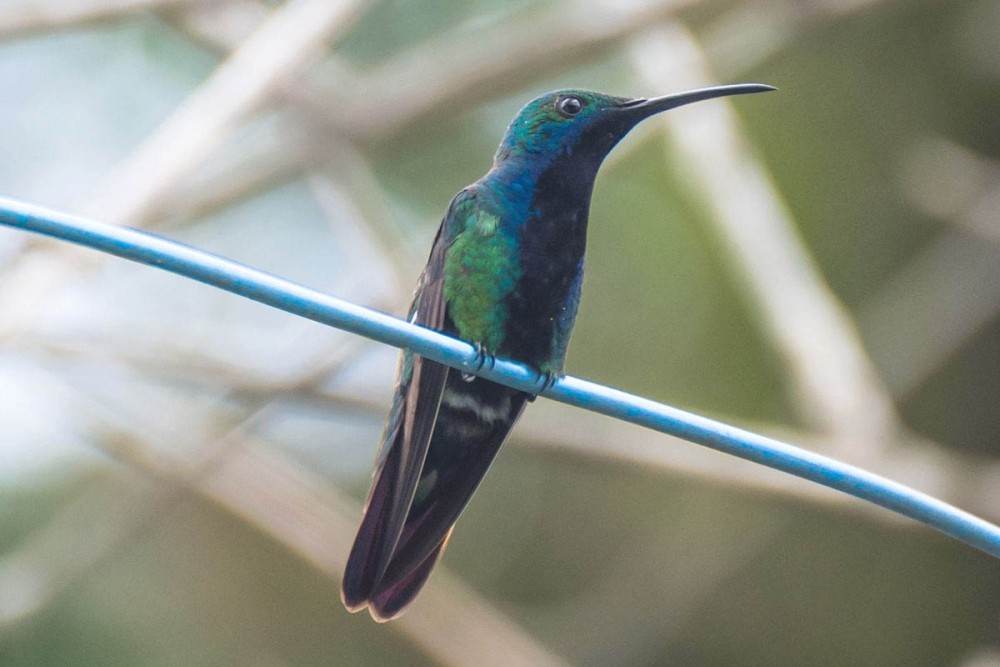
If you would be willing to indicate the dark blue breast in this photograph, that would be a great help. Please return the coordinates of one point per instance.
(550, 245)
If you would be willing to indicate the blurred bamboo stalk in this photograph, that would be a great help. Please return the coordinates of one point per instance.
(375, 259)
(951, 286)
(91, 529)
(20, 18)
(953, 184)
(82, 536)
(440, 75)
(970, 482)
(838, 389)
(753, 32)
(931, 307)
(987, 656)
(451, 624)
(223, 24)
(446, 67)
(292, 35)
(965, 481)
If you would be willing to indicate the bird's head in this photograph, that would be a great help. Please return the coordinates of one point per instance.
(571, 121)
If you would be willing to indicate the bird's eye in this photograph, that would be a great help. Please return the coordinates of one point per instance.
(569, 106)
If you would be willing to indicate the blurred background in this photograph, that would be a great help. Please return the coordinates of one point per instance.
(182, 471)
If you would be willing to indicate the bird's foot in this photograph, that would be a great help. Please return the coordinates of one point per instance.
(483, 360)
(546, 380)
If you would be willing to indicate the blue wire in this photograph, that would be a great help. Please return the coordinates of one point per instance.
(155, 251)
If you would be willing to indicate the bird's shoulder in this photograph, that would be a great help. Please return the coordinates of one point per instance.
(478, 237)
(475, 211)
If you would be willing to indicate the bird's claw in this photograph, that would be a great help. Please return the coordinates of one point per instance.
(546, 380)
(483, 360)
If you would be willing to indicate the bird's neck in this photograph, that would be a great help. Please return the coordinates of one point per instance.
(551, 186)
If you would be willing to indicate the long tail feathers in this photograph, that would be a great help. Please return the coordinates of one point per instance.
(390, 562)
(392, 601)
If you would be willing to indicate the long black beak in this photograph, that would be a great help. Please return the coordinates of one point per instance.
(643, 108)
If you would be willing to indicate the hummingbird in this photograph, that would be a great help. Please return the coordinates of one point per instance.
(504, 273)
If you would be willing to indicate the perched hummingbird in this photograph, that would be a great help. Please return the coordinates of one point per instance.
(504, 273)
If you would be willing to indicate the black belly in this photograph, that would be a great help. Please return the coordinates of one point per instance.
(545, 297)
